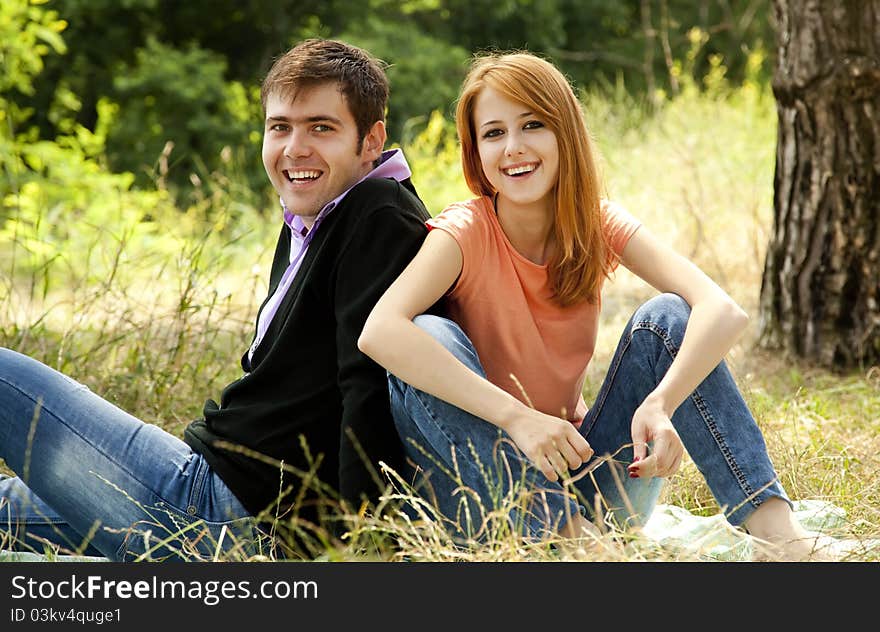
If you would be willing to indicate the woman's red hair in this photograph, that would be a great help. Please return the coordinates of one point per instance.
(582, 260)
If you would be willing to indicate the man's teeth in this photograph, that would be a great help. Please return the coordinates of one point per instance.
(515, 171)
(306, 174)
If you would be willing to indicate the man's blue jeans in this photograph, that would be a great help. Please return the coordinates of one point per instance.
(472, 470)
(97, 481)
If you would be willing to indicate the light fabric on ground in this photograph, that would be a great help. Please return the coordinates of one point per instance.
(678, 531)
(673, 529)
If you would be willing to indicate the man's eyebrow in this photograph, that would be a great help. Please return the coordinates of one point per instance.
(523, 115)
(317, 118)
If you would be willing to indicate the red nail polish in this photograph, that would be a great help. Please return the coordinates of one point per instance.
(633, 475)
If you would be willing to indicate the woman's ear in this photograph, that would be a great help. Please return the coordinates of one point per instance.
(374, 142)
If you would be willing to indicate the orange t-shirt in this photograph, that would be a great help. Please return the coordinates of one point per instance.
(503, 303)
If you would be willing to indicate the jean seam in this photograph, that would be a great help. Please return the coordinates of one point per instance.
(6, 507)
(609, 379)
(75, 432)
(703, 410)
(459, 451)
(198, 485)
(464, 457)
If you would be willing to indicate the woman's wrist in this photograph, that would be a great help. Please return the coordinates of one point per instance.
(508, 409)
(658, 399)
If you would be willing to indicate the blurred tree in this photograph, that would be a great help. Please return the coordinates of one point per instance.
(112, 44)
(820, 297)
(424, 72)
(250, 33)
(501, 24)
(122, 49)
(246, 33)
(180, 96)
(643, 42)
(100, 34)
(27, 35)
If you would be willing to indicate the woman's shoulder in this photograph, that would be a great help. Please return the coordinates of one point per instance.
(613, 212)
(466, 215)
(618, 224)
(475, 207)
(607, 205)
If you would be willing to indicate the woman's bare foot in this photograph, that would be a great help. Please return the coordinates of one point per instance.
(583, 541)
(580, 527)
(779, 537)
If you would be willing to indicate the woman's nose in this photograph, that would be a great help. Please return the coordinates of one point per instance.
(514, 145)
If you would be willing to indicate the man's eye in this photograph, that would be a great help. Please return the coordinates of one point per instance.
(322, 128)
(278, 127)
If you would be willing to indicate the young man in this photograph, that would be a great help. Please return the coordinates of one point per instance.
(310, 416)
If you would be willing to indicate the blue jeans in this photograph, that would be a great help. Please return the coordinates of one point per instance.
(473, 472)
(94, 480)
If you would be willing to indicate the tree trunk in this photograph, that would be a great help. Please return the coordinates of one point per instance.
(821, 285)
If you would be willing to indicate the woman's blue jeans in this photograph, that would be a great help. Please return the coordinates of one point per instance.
(472, 470)
(94, 480)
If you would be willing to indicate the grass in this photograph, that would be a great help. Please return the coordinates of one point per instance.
(151, 306)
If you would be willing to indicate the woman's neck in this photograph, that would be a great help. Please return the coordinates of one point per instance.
(529, 228)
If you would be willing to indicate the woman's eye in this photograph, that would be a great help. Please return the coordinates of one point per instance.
(492, 133)
(533, 125)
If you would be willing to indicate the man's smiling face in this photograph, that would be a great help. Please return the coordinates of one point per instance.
(310, 148)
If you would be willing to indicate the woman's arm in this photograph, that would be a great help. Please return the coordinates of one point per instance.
(715, 324)
(395, 342)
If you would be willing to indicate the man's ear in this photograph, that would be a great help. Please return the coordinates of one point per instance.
(374, 142)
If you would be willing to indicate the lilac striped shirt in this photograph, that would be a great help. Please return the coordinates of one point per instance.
(392, 165)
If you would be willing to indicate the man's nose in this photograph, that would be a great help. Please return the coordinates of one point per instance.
(297, 144)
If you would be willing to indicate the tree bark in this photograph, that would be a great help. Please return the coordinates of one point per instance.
(821, 283)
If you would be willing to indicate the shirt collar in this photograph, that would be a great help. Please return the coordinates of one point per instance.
(392, 164)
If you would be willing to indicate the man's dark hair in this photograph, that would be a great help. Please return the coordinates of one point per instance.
(360, 76)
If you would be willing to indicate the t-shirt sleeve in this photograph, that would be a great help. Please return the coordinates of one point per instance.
(619, 225)
(463, 223)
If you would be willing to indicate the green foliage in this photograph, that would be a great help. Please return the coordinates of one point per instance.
(27, 35)
(433, 156)
(145, 55)
(480, 24)
(68, 220)
(424, 71)
(210, 114)
(640, 43)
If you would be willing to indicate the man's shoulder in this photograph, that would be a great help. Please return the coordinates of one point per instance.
(380, 209)
(387, 195)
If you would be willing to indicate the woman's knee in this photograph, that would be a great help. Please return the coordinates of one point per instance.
(441, 329)
(8, 359)
(449, 334)
(667, 311)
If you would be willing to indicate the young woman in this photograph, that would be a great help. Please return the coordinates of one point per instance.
(522, 268)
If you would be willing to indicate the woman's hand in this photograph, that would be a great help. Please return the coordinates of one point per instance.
(716, 322)
(552, 444)
(652, 423)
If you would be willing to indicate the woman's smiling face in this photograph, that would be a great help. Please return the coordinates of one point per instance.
(518, 152)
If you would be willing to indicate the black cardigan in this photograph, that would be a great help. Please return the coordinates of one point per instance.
(308, 381)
